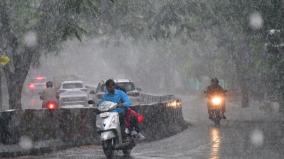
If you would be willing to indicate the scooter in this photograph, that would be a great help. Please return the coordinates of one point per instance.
(108, 126)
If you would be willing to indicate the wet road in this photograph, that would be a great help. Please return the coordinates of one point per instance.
(248, 133)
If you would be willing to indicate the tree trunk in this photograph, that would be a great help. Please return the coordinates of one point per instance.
(16, 78)
(1, 95)
(15, 82)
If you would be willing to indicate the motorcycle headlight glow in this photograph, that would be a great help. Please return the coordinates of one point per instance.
(216, 100)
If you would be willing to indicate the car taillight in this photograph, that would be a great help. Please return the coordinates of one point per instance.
(31, 86)
(39, 78)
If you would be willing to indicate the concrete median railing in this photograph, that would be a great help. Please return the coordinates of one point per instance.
(76, 126)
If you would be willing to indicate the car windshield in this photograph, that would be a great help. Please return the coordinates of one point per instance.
(125, 86)
(72, 85)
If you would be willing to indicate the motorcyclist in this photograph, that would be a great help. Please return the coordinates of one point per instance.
(49, 94)
(117, 96)
(214, 87)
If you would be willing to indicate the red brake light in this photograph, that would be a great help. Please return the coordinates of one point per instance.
(52, 105)
(140, 119)
(39, 78)
(31, 86)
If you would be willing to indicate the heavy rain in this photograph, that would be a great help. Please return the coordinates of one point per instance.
(161, 79)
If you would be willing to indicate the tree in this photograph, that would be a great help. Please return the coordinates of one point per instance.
(30, 28)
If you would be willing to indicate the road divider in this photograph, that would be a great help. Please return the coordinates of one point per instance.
(76, 126)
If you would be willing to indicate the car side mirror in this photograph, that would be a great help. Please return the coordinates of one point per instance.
(91, 102)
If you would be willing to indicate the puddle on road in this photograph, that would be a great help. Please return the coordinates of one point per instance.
(215, 140)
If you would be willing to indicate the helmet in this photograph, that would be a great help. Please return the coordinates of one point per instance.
(215, 80)
(49, 84)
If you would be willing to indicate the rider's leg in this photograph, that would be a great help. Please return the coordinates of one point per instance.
(122, 124)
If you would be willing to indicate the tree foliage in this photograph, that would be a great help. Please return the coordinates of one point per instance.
(32, 27)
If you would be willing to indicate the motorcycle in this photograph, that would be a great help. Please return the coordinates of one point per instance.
(108, 126)
(216, 102)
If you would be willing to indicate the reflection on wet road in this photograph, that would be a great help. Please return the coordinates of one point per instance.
(215, 143)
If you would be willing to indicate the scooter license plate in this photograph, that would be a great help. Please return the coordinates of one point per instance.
(104, 115)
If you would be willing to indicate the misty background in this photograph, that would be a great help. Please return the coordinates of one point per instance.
(165, 46)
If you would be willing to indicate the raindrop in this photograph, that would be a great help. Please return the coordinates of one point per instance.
(257, 138)
(255, 21)
(26, 142)
(30, 39)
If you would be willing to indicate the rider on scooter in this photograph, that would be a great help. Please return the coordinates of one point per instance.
(49, 94)
(119, 97)
(116, 95)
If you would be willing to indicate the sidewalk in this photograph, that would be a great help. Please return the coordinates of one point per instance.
(37, 148)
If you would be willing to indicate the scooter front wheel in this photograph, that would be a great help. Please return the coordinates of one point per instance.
(217, 122)
(108, 149)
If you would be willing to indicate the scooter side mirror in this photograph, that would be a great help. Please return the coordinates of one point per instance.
(91, 102)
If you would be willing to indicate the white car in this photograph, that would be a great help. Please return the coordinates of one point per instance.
(73, 93)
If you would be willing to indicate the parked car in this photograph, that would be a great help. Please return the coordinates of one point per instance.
(73, 93)
(36, 85)
(126, 85)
